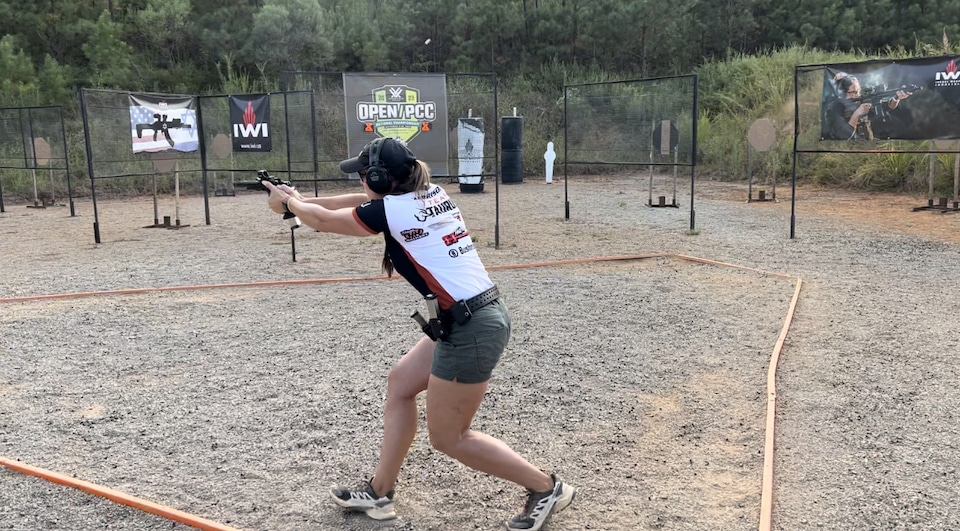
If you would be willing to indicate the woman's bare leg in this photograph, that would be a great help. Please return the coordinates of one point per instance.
(450, 410)
(407, 379)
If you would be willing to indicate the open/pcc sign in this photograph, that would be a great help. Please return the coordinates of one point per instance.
(411, 107)
(403, 111)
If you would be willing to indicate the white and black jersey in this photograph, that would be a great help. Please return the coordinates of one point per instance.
(428, 243)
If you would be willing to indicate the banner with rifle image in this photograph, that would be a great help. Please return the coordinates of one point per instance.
(911, 99)
(160, 123)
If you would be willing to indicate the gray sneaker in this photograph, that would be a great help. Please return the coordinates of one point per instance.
(365, 500)
(540, 505)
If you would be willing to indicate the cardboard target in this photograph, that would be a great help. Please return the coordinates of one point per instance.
(164, 161)
(222, 146)
(762, 135)
(41, 150)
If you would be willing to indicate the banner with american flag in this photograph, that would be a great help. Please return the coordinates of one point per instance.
(250, 121)
(160, 123)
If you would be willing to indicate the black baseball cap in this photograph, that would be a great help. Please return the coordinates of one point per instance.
(395, 156)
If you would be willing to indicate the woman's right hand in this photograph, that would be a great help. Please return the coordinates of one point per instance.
(863, 109)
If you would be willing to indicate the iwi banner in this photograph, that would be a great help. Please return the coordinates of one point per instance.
(250, 121)
(909, 99)
(159, 123)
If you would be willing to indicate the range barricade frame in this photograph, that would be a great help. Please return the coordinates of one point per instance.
(111, 138)
(818, 90)
(31, 138)
(659, 119)
(470, 98)
(291, 134)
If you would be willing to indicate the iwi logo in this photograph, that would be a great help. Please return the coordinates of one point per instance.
(250, 127)
(949, 77)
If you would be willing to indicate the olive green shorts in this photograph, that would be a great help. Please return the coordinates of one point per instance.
(471, 351)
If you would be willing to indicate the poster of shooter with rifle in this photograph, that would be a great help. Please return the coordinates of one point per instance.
(909, 99)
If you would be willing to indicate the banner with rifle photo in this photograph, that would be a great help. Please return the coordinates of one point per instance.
(910, 99)
(160, 123)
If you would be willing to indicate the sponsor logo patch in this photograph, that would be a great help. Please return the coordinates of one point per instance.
(410, 235)
(426, 213)
(461, 250)
(455, 236)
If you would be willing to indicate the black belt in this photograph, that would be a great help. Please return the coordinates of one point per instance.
(472, 304)
(485, 298)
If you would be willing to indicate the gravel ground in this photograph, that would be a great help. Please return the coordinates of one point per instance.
(643, 383)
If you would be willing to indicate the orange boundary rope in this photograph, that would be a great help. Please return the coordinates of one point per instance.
(119, 497)
(766, 487)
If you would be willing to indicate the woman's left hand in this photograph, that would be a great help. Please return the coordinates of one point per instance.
(901, 95)
(276, 199)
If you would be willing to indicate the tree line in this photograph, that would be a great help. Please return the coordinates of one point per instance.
(52, 47)
(744, 52)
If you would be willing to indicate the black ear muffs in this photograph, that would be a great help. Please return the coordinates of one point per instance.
(378, 177)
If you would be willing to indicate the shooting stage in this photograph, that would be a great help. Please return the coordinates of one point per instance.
(242, 404)
(175, 380)
(203, 377)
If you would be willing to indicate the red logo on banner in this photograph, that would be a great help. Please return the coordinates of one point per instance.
(249, 117)
(949, 76)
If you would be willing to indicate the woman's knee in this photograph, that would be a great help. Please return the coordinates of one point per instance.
(444, 440)
(401, 385)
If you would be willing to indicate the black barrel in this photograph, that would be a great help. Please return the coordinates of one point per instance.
(511, 167)
(511, 149)
(512, 127)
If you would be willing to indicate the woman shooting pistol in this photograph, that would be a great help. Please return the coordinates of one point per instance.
(428, 244)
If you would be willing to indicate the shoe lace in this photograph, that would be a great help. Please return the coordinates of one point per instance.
(362, 492)
(533, 503)
(359, 495)
(367, 489)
